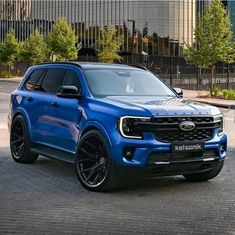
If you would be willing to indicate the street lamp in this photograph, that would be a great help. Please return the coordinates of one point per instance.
(171, 59)
(145, 55)
(133, 34)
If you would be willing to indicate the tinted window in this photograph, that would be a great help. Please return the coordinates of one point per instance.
(33, 78)
(38, 83)
(71, 79)
(52, 80)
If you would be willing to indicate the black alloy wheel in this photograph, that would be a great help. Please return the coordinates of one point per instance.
(94, 165)
(17, 138)
(19, 142)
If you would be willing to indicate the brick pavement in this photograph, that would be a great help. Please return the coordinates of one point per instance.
(46, 197)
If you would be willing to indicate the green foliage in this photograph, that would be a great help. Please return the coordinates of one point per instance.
(229, 94)
(110, 45)
(35, 49)
(6, 74)
(217, 91)
(10, 49)
(213, 38)
(62, 41)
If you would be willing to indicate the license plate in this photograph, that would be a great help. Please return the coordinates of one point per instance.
(187, 147)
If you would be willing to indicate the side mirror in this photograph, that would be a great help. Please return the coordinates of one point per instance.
(69, 92)
(179, 92)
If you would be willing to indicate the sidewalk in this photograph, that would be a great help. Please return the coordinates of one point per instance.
(15, 79)
(192, 95)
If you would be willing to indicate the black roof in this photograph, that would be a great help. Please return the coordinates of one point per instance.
(92, 65)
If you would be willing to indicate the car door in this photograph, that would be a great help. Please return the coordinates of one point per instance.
(66, 116)
(32, 100)
(46, 105)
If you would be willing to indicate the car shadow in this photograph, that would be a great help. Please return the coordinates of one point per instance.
(60, 176)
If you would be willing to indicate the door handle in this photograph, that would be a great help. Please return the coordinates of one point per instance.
(55, 104)
(30, 99)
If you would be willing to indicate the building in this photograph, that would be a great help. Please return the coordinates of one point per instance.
(230, 4)
(153, 27)
(14, 10)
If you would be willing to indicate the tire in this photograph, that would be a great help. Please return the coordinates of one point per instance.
(94, 165)
(200, 177)
(20, 143)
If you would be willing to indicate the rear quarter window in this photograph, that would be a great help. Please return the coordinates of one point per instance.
(33, 78)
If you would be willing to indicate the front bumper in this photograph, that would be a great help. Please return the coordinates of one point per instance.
(154, 156)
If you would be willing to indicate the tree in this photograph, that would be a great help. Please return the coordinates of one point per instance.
(110, 45)
(62, 41)
(213, 39)
(35, 49)
(10, 49)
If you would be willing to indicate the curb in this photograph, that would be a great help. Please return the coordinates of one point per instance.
(219, 105)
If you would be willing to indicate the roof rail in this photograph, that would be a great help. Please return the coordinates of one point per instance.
(68, 62)
(139, 66)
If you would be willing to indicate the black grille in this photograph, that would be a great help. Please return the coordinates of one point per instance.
(168, 129)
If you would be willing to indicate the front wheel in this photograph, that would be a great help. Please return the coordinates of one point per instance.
(199, 177)
(94, 165)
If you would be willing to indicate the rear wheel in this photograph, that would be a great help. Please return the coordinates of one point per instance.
(94, 165)
(199, 177)
(19, 142)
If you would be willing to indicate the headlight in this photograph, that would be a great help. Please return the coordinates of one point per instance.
(219, 123)
(128, 127)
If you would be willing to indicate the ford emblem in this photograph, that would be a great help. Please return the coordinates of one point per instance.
(187, 126)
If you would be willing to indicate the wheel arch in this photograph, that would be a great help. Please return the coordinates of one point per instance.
(94, 125)
(26, 118)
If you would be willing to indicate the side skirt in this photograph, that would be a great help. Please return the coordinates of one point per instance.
(53, 153)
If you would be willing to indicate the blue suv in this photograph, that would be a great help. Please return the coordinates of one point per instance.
(113, 121)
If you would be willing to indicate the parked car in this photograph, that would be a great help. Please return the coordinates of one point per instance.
(112, 121)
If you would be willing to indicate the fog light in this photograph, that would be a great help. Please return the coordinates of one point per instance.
(222, 148)
(129, 153)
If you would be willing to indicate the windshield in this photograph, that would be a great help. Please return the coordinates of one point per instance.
(111, 82)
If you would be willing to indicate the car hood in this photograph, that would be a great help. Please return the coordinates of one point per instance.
(162, 105)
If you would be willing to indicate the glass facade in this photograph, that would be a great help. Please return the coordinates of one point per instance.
(156, 27)
(201, 5)
(230, 4)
